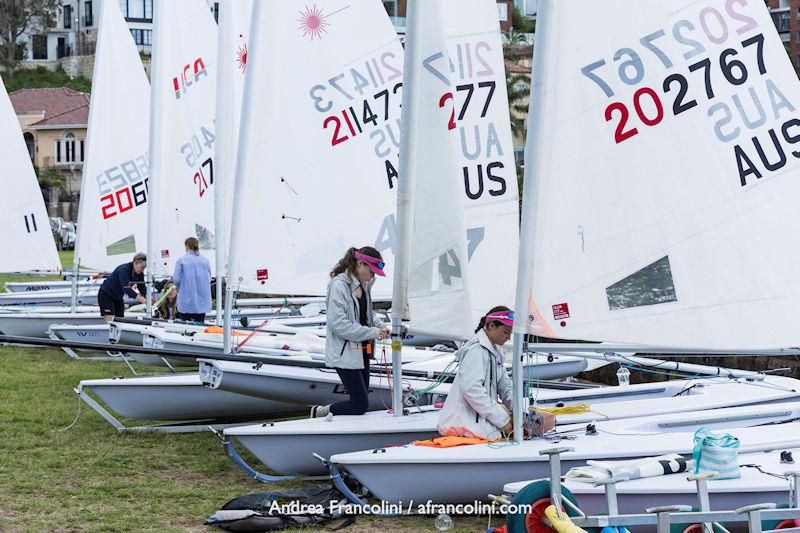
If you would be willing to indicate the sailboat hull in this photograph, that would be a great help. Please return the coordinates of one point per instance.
(180, 397)
(287, 446)
(311, 386)
(637, 495)
(468, 473)
(36, 324)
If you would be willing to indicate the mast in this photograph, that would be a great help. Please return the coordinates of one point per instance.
(241, 165)
(221, 154)
(529, 197)
(155, 129)
(405, 187)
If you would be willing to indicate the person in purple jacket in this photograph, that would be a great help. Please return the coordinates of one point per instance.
(193, 278)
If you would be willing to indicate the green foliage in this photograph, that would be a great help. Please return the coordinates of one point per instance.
(41, 77)
(18, 17)
(51, 177)
(521, 23)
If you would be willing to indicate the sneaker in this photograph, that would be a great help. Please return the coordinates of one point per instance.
(319, 411)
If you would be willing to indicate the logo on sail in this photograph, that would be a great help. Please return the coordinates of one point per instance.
(313, 21)
(241, 54)
(262, 275)
(190, 75)
(560, 311)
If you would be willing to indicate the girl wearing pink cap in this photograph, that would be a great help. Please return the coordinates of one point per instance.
(352, 328)
(473, 407)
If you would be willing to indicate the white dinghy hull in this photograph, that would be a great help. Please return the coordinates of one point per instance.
(468, 473)
(635, 496)
(287, 446)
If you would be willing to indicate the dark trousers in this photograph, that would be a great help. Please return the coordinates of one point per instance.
(193, 317)
(357, 384)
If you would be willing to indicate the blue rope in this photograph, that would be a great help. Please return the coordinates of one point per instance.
(336, 477)
(249, 470)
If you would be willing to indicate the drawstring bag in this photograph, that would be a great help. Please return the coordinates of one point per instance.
(714, 453)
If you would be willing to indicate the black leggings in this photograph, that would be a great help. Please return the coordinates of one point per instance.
(356, 381)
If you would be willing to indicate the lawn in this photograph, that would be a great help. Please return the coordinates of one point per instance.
(92, 478)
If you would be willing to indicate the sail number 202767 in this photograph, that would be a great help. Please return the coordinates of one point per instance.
(702, 74)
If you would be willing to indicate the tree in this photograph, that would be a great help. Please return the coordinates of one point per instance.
(517, 84)
(18, 17)
(522, 23)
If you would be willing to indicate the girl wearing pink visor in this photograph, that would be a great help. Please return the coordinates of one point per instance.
(473, 407)
(352, 327)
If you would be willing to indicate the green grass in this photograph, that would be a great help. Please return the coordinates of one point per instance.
(92, 478)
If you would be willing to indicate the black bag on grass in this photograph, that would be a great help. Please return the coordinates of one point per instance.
(274, 511)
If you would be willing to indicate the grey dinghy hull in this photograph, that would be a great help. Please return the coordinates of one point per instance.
(68, 332)
(36, 286)
(308, 386)
(287, 446)
(132, 334)
(36, 323)
(467, 473)
(179, 397)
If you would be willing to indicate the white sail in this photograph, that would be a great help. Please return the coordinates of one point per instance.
(487, 170)
(667, 204)
(438, 288)
(112, 219)
(184, 83)
(26, 227)
(318, 144)
(234, 35)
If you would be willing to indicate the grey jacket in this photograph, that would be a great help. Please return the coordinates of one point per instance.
(344, 332)
(471, 408)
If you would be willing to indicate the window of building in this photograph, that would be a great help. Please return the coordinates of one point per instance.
(69, 149)
(39, 46)
(88, 14)
(142, 37)
(519, 155)
(68, 16)
(30, 143)
(140, 10)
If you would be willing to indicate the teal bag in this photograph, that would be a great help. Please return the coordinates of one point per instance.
(716, 453)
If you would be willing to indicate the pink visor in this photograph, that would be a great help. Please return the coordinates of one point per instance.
(504, 317)
(375, 264)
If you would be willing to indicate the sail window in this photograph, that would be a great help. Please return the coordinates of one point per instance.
(651, 285)
(440, 274)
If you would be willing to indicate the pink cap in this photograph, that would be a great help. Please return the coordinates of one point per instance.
(375, 264)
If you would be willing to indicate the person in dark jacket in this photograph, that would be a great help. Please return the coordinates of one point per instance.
(119, 283)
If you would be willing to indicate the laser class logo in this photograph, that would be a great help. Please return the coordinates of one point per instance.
(190, 75)
(241, 54)
(313, 21)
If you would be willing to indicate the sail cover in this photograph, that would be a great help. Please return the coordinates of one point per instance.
(668, 175)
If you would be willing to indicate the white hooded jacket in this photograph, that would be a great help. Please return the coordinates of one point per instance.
(344, 333)
(471, 408)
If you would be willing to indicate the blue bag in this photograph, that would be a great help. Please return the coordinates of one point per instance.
(716, 453)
